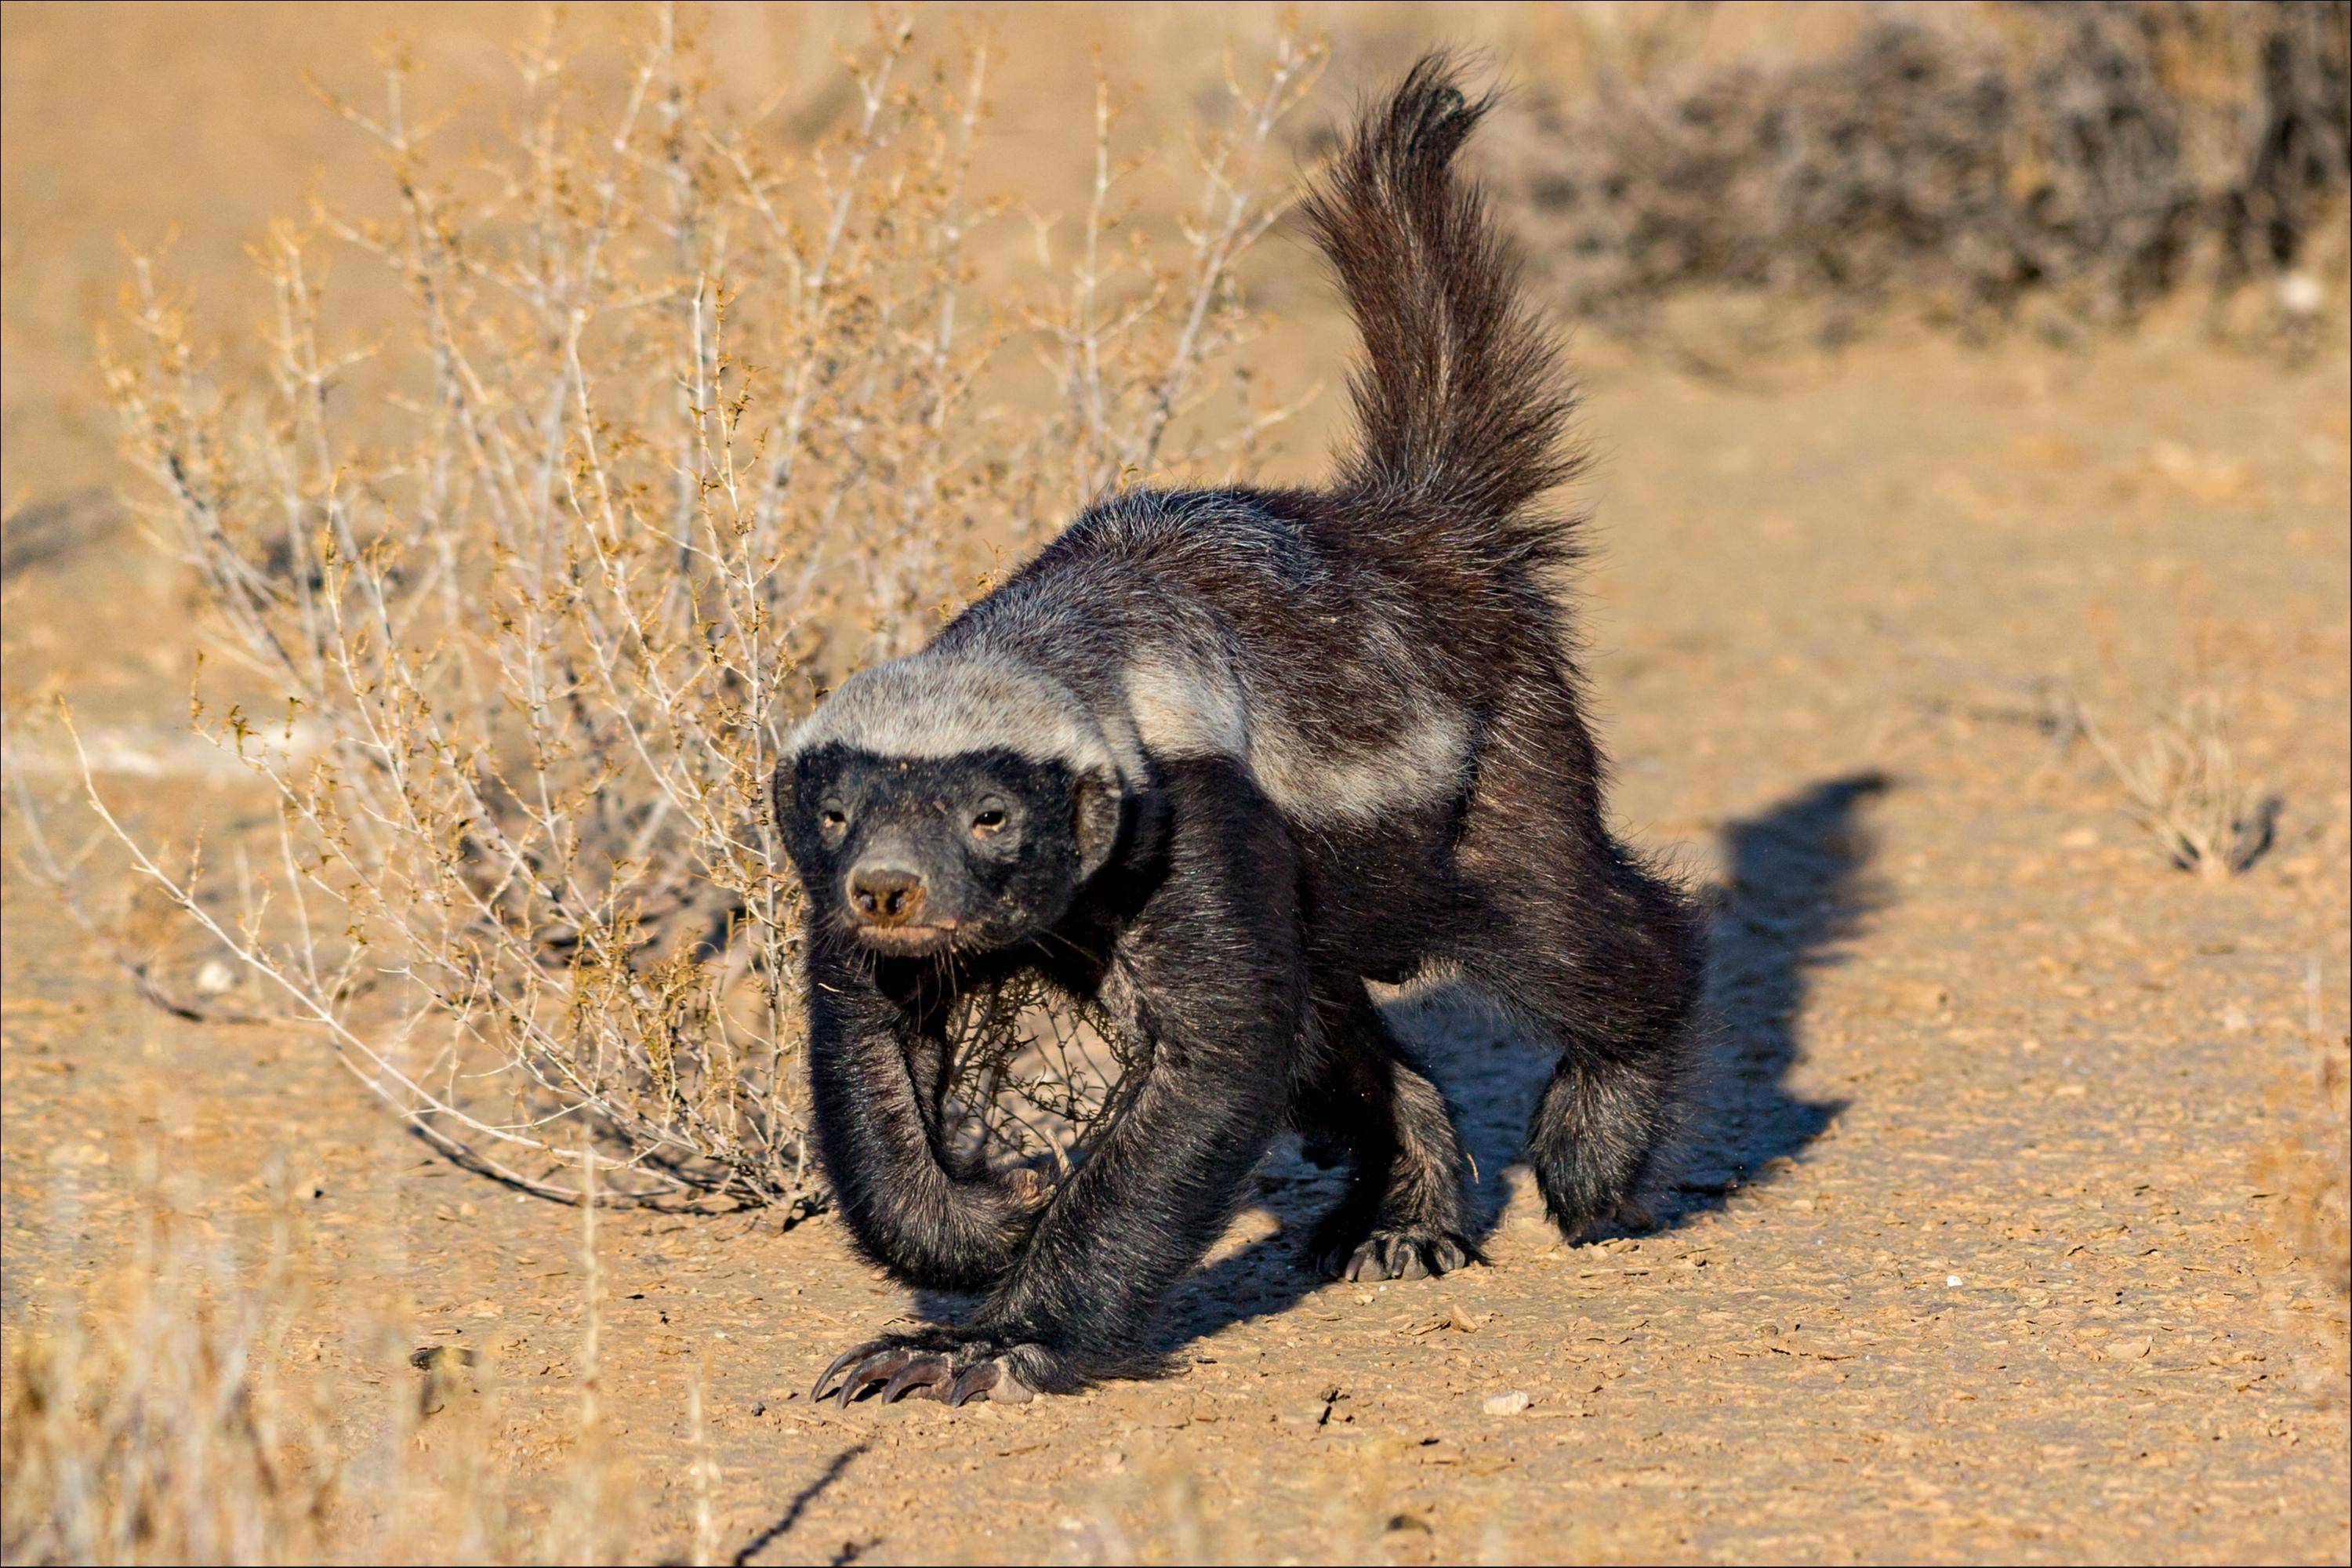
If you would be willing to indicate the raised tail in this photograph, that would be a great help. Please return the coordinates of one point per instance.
(1461, 402)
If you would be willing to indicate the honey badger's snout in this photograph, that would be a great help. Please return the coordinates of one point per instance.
(882, 894)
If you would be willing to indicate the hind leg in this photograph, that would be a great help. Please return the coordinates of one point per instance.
(1611, 979)
(1620, 1017)
(1596, 1138)
(1618, 1006)
(1592, 953)
(1405, 1215)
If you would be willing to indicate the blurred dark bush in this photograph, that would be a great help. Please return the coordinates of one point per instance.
(2064, 164)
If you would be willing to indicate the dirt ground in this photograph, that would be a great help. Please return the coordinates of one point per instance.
(1972, 1260)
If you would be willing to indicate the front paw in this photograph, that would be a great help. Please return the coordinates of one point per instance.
(937, 1364)
(1400, 1252)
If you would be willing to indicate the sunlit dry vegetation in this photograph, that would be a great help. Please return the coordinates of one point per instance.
(2184, 782)
(160, 1430)
(171, 1414)
(2067, 167)
(680, 426)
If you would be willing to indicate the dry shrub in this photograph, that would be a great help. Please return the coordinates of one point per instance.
(679, 425)
(2183, 784)
(2090, 158)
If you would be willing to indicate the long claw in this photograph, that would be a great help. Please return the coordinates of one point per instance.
(972, 1382)
(1414, 1254)
(923, 1372)
(874, 1369)
(834, 1370)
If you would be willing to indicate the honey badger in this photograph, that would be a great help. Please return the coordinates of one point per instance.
(1213, 760)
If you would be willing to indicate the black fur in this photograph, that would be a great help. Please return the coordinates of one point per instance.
(1213, 761)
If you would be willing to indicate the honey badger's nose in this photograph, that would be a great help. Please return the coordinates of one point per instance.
(886, 895)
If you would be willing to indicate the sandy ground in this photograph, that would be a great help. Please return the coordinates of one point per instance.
(1970, 1262)
(1972, 1259)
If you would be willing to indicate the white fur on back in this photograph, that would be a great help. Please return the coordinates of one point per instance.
(1188, 708)
(1177, 706)
(1421, 764)
(1182, 709)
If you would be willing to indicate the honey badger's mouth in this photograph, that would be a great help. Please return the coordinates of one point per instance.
(908, 940)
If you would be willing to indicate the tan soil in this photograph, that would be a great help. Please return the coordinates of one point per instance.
(1972, 1260)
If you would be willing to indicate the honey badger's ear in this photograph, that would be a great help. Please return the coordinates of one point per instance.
(1096, 806)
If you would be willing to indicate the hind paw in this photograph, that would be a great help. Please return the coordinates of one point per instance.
(1403, 1253)
(1626, 1218)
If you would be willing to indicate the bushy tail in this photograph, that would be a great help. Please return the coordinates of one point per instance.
(1462, 403)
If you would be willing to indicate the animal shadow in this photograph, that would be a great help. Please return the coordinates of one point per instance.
(1797, 887)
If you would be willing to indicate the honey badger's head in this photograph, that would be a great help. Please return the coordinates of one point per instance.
(938, 803)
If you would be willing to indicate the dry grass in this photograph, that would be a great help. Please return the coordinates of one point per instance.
(2183, 783)
(155, 1429)
(176, 1409)
(509, 609)
(156, 1416)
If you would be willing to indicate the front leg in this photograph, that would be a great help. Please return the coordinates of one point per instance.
(875, 1061)
(1209, 983)
(1406, 1214)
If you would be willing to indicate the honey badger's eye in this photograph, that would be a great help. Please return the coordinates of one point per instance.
(987, 821)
